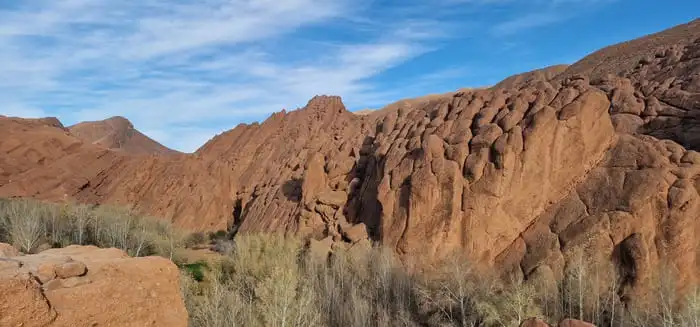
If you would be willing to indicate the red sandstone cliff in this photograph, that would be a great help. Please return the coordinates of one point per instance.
(598, 158)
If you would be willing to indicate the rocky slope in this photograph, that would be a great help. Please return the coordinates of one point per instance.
(597, 159)
(543, 74)
(117, 133)
(87, 286)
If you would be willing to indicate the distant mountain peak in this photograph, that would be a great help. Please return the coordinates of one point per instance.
(118, 133)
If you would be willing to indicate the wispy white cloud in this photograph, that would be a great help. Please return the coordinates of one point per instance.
(526, 21)
(166, 64)
(541, 13)
(185, 70)
(21, 110)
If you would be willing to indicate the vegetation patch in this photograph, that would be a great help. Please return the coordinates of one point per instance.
(273, 280)
(32, 226)
(196, 270)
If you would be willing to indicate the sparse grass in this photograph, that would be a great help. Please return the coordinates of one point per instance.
(195, 239)
(260, 284)
(30, 225)
(271, 280)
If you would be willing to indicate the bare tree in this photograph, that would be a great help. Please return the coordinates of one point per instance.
(25, 224)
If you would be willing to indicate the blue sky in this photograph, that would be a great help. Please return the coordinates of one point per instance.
(183, 71)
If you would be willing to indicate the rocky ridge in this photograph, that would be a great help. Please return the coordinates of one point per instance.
(117, 133)
(597, 159)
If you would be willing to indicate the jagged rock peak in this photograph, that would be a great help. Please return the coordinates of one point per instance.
(319, 106)
(51, 122)
(46, 121)
(119, 121)
(325, 103)
(117, 133)
(525, 180)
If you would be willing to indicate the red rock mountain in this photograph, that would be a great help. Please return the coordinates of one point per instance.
(544, 74)
(598, 159)
(117, 133)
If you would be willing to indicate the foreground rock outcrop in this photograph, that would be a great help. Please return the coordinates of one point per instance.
(595, 160)
(88, 286)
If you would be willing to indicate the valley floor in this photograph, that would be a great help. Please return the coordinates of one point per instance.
(272, 280)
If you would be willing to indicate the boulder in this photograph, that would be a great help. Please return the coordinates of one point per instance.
(334, 199)
(574, 323)
(71, 269)
(355, 233)
(45, 272)
(65, 283)
(89, 286)
(42, 266)
(523, 177)
(534, 322)
(7, 250)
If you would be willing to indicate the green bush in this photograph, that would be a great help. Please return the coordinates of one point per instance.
(196, 270)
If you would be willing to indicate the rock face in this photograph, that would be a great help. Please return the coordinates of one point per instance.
(88, 286)
(534, 322)
(7, 250)
(117, 133)
(596, 160)
(620, 58)
(439, 171)
(574, 323)
(543, 74)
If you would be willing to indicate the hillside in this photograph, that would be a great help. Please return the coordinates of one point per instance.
(117, 133)
(543, 74)
(595, 160)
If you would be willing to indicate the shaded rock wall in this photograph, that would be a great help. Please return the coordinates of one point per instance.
(522, 178)
(474, 171)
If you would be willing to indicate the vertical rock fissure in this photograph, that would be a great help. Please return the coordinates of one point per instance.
(237, 217)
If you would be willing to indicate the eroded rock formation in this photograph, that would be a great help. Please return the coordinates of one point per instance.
(596, 159)
(88, 286)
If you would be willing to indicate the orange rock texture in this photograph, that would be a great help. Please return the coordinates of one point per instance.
(596, 158)
(88, 286)
(117, 133)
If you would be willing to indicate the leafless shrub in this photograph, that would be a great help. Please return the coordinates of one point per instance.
(28, 223)
(269, 280)
(260, 284)
(23, 221)
(224, 247)
(372, 290)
